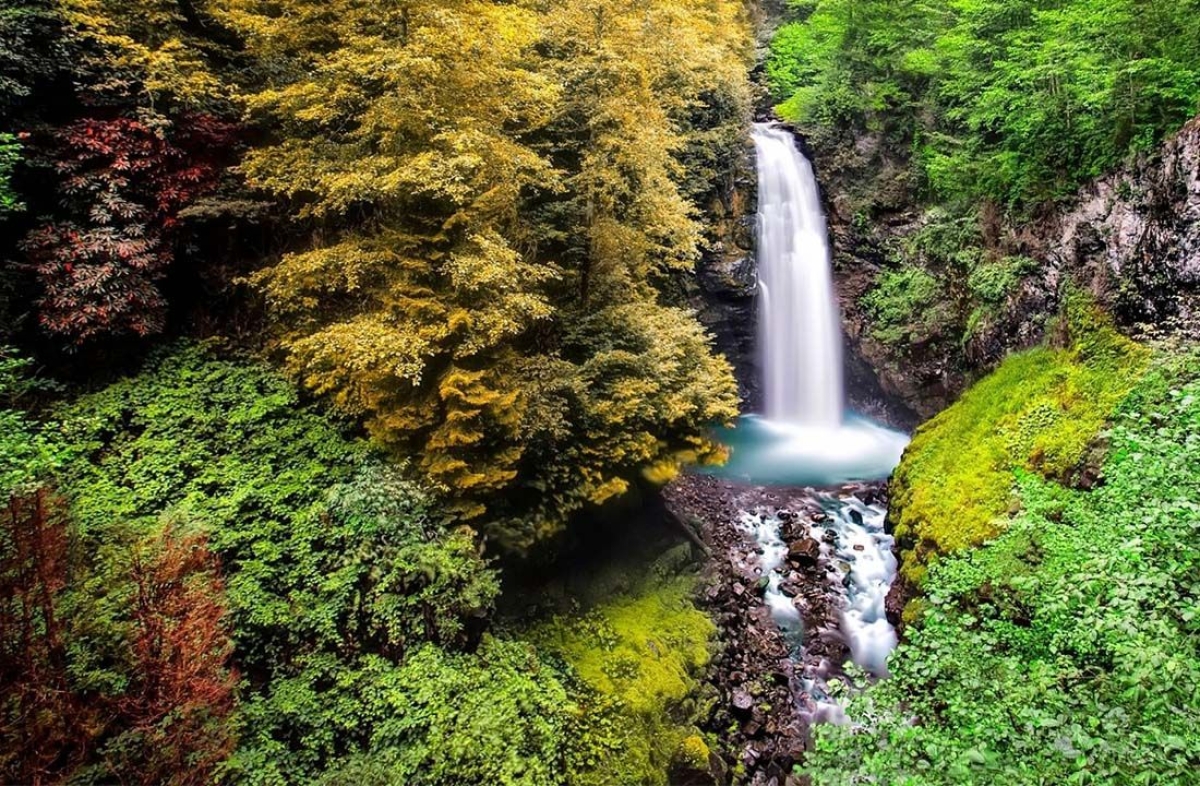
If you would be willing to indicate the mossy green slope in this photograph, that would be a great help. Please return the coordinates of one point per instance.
(1040, 412)
(1067, 649)
(636, 658)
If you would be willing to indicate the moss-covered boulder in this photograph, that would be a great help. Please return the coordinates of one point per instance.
(1040, 411)
(635, 658)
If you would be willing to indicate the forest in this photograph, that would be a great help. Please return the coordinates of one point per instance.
(375, 380)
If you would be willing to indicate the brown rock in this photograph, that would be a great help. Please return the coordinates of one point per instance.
(804, 552)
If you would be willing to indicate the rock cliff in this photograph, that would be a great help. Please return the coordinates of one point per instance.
(1131, 238)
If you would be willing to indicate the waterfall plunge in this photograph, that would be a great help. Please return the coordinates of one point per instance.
(804, 438)
(800, 335)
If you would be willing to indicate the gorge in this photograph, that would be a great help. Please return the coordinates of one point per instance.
(599, 392)
(825, 537)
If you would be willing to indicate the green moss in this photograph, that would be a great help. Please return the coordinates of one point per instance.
(1067, 649)
(693, 752)
(1039, 411)
(635, 658)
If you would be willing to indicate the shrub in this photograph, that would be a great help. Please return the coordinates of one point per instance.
(336, 565)
(436, 719)
(902, 305)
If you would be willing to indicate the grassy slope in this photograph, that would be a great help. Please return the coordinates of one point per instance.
(1040, 411)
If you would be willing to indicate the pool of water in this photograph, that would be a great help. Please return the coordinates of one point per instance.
(771, 453)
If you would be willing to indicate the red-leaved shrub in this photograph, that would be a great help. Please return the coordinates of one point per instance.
(124, 184)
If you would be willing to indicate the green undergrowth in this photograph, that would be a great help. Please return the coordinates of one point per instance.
(634, 660)
(1067, 649)
(362, 622)
(1040, 412)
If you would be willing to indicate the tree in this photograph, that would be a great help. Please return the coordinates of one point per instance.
(175, 710)
(91, 686)
(124, 185)
(467, 212)
(48, 727)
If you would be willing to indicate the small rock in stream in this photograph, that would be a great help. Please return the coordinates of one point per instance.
(805, 552)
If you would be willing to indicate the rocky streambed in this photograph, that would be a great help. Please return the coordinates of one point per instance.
(796, 582)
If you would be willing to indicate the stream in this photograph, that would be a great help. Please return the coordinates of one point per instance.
(850, 544)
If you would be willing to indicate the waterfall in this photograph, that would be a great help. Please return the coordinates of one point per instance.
(805, 436)
(800, 335)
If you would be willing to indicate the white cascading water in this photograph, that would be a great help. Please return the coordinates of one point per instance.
(800, 334)
(805, 436)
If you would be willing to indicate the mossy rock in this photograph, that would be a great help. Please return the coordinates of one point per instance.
(1041, 411)
(636, 659)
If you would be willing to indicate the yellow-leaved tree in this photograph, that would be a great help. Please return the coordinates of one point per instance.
(490, 192)
(157, 53)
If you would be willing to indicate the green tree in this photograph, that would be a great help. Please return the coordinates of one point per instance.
(1014, 101)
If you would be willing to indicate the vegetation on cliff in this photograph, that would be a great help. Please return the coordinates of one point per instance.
(1008, 101)
(953, 139)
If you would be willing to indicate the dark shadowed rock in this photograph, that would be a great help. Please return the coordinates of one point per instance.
(804, 552)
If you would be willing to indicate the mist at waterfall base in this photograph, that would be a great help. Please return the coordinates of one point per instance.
(804, 437)
(777, 453)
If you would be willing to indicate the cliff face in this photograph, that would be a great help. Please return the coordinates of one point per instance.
(1131, 238)
(727, 274)
(1134, 237)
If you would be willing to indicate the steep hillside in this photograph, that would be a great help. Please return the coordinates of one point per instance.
(979, 153)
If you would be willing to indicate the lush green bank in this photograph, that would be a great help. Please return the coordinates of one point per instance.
(1039, 412)
(343, 635)
(1062, 646)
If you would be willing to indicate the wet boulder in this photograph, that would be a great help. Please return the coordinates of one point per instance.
(804, 552)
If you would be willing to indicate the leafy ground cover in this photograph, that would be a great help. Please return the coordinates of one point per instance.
(318, 618)
(1067, 649)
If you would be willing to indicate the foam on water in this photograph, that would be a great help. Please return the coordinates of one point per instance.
(862, 544)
